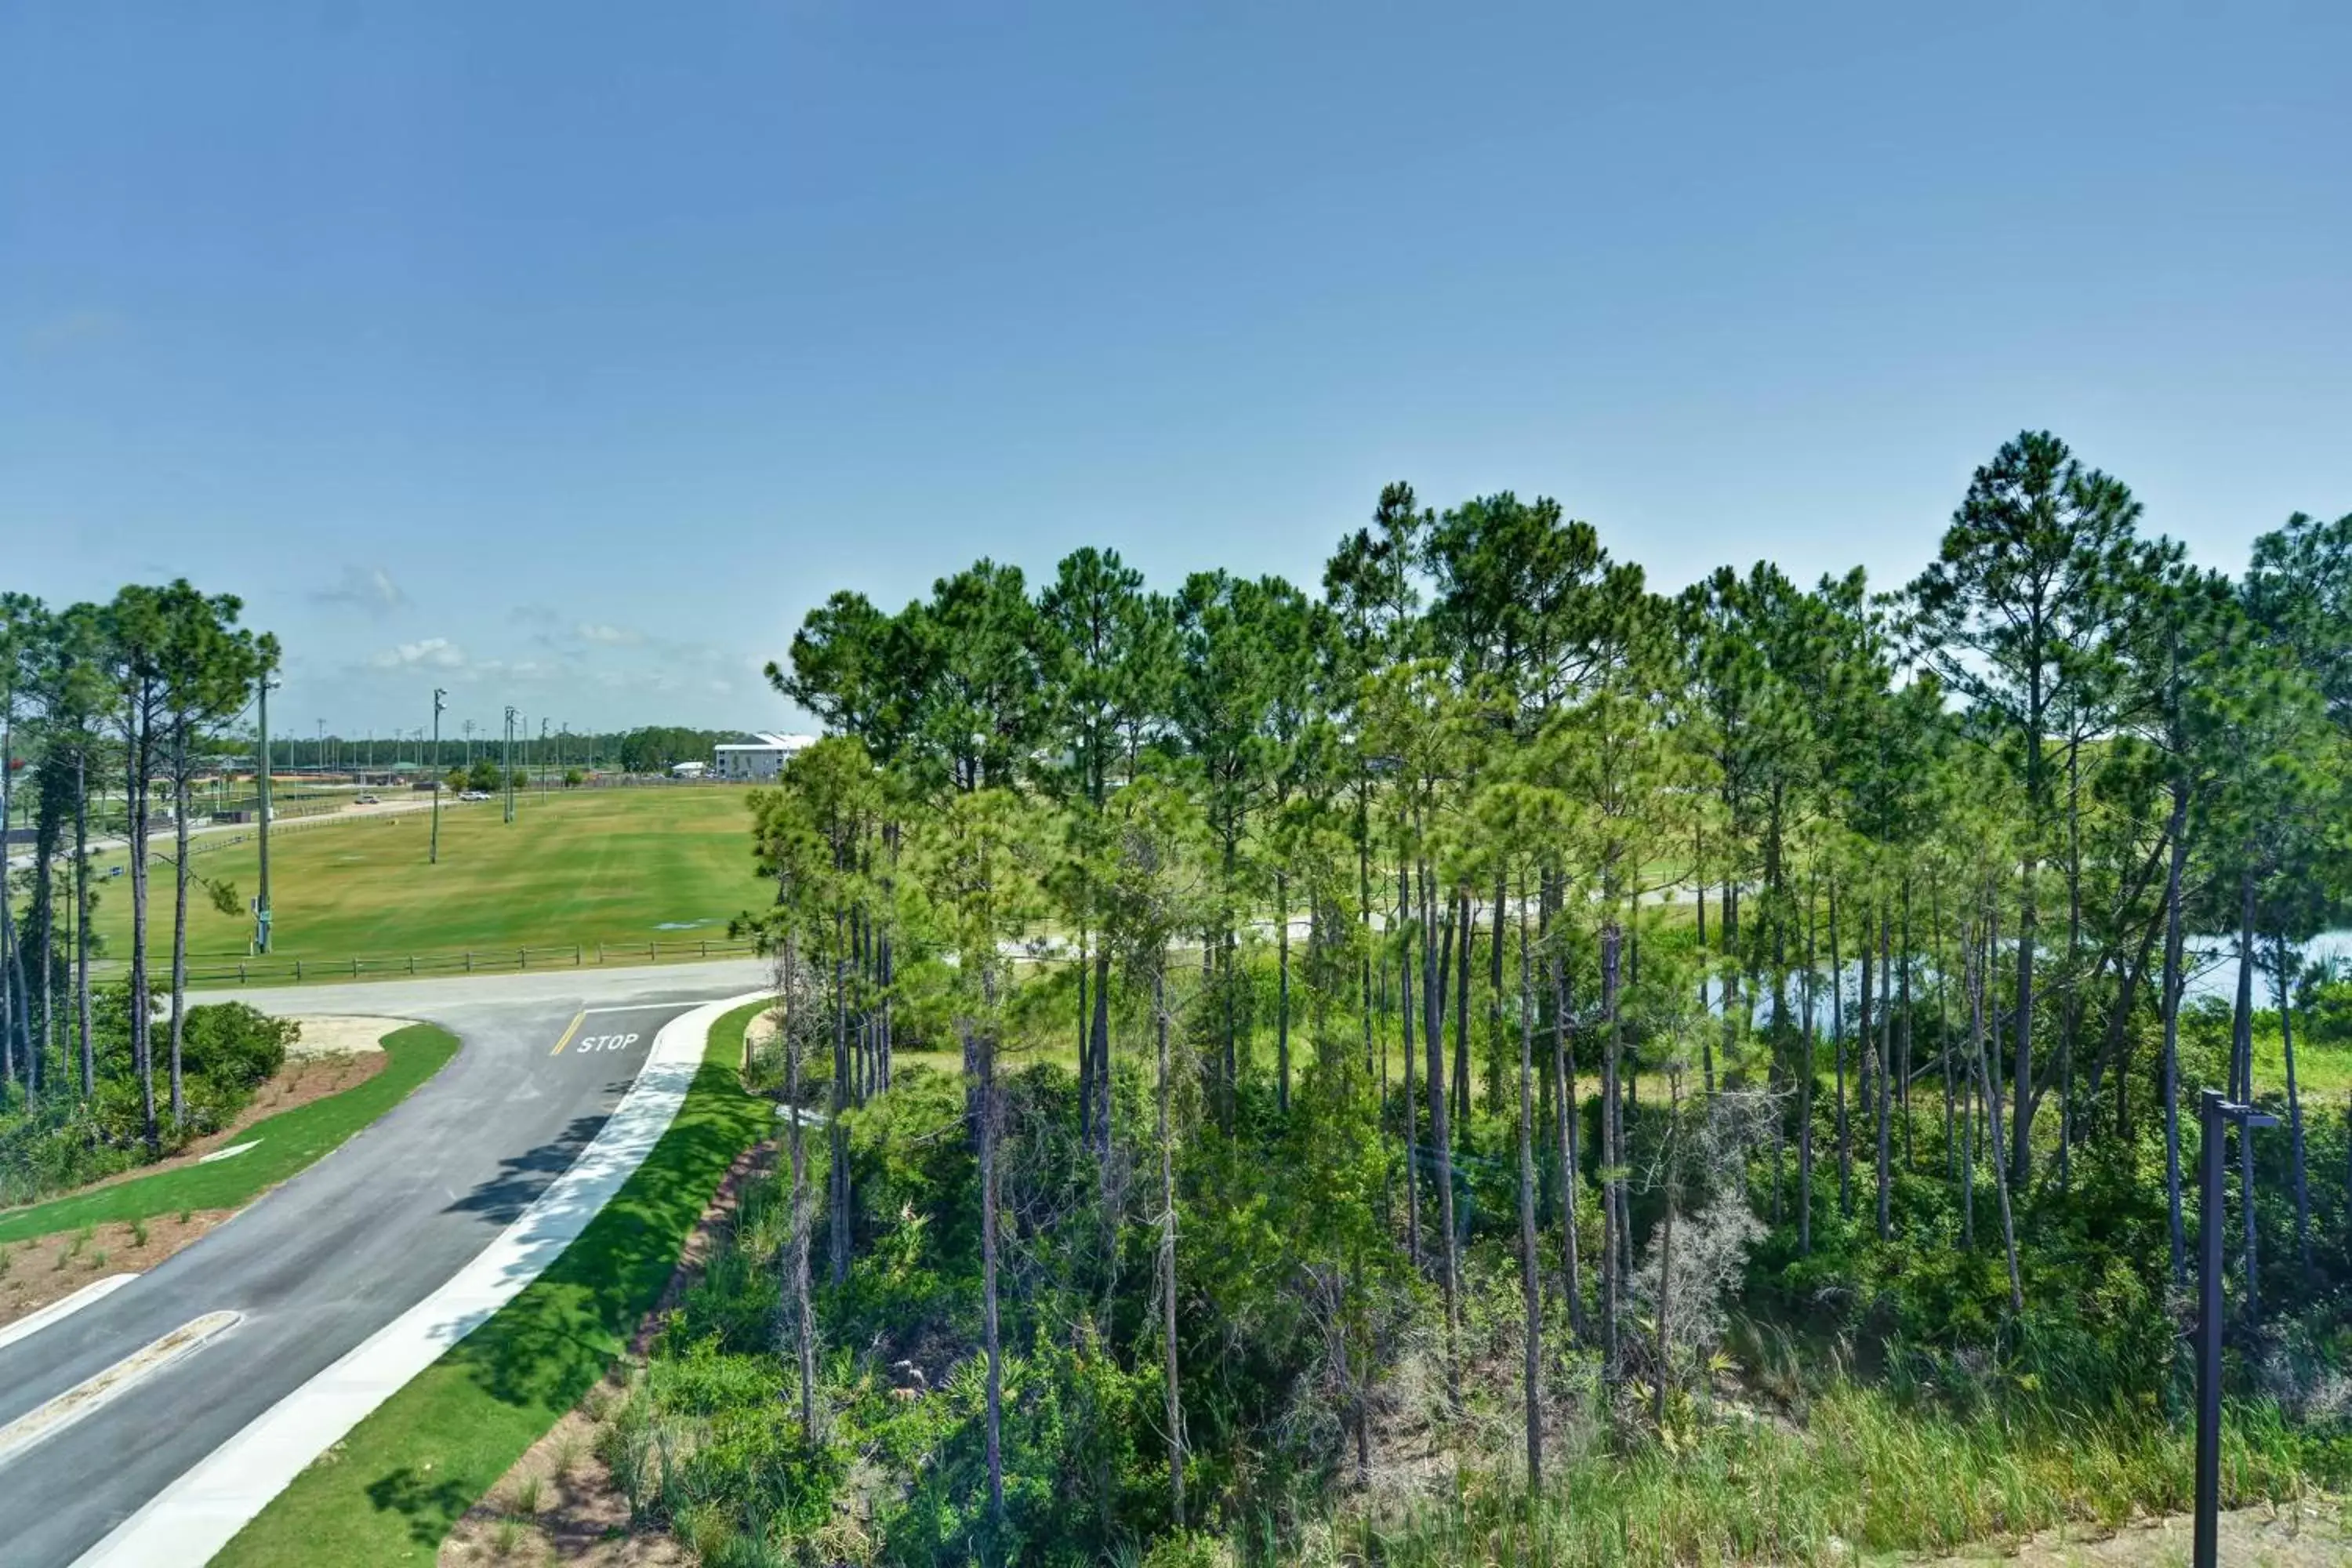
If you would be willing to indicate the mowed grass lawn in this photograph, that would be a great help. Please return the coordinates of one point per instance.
(614, 865)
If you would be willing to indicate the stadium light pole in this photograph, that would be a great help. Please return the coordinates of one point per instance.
(261, 778)
(432, 855)
(508, 765)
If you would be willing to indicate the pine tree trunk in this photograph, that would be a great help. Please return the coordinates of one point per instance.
(1937, 954)
(1495, 1036)
(1837, 1048)
(1612, 1155)
(1571, 1176)
(179, 915)
(2022, 1084)
(1086, 1048)
(15, 999)
(2000, 1170)
(1102, 1122)
(1465, 924)
(1666, 1249)
(2241, 1087)
(1886, 1095)
(2294, 1107)
(1805, 1075)
(142, 1051)
(1442, 1149)
(989, 1326)
(1705, 1048)
(81, 917)
(1282, 998)
(1903, 1028)
(1175, 1402)
(1530, 1292)
(1412, 1108)
(803, 1319)
(837, 1133)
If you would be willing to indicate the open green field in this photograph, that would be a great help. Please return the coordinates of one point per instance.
(613, 866)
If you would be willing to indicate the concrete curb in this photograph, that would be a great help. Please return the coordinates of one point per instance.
(198, 1514)
(32, 1323)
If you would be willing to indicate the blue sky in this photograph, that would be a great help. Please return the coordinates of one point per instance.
(563, 355)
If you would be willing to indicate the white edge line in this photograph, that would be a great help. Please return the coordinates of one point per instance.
(34, 1322)
(198, 1514)
(102, 1388)
(639, 1008)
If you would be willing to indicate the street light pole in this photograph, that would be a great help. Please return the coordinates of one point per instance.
(542, 757)
(2214, 1114)
(509, 767)
(432, 855)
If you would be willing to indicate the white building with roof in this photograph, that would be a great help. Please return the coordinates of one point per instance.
(758, 760)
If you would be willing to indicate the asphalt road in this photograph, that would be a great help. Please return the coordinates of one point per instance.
(322, 1262)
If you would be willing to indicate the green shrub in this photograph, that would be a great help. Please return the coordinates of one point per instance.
(234, 1045)
(227, 1050)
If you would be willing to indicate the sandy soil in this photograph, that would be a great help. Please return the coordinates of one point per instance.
(582, 1518)
(342, 1034)
(45, 1268)
(302, 1080)
(2305, 1534)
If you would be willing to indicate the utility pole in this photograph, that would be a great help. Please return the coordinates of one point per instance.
(261, 778)
(509, 768)
(432, 855)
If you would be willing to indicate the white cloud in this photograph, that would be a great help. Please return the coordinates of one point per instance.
(369, 588)
(437, 653)
(612, 636)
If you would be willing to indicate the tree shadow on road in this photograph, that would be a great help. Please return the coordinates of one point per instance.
(521, 1178)
(560, 1334)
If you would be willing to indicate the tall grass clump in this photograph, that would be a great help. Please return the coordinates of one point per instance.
(1866, 1473)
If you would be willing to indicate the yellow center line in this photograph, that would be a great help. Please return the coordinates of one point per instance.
(577, 1018)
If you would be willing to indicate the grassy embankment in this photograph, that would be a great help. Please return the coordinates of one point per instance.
(393, 1488)
(613, 866)
(287, 1144)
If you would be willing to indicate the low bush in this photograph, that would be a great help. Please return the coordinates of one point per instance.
(61, 1141)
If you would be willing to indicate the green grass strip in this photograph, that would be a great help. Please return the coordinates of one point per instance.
(392, 1490)
(290, 1143)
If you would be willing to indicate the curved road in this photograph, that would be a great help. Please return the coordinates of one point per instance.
(323, 1261)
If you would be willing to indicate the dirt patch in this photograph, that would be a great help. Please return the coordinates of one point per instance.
(302, 1080)
(298, 1083)
(2306, 1533)
(558, 1504)
(339, 1035)
(44, 1268)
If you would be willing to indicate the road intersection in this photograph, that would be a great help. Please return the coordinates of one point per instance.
(314, 1268)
